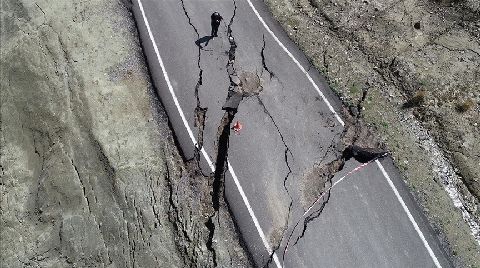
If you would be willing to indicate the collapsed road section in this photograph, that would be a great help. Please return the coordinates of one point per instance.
(289, 132)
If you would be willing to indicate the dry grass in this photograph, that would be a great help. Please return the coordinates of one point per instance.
(463, 107)
(416, 100)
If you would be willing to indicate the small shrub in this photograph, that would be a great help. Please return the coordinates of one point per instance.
(463, 107)
(354, 89)
(423, 82)
(416, 100)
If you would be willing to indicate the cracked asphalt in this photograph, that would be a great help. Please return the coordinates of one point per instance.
(287, 130)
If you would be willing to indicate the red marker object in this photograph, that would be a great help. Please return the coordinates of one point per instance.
(237, 127)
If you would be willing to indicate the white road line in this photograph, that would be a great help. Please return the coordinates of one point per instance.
(297, 63)
(410, 217)
(400, 199)
(255, 221)
(204, 153)
(170, 88)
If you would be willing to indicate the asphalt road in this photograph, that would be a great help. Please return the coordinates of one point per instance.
(370, 219)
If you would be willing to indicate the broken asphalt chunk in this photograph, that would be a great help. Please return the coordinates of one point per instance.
(233, 100)
(235, 80)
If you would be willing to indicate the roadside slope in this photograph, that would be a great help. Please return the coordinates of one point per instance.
(90, 174)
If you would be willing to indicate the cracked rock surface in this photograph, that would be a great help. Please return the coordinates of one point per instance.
(424, 53)
(89, 172)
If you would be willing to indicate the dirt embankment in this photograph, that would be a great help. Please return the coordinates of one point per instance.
(419, 63)
(90, 175)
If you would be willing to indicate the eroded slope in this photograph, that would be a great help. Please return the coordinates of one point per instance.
(90, 175)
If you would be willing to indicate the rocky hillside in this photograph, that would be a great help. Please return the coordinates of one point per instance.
(415, 65)
(90, 175)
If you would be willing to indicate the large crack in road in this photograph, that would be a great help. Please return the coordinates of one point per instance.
(365, 153)
(264, 64)
(287, 153)
(200, 114)
(223, 136)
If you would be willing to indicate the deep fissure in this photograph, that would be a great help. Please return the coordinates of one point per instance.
(223, 136)
(200, 114)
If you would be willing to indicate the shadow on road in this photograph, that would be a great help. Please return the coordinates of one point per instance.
(203, 40)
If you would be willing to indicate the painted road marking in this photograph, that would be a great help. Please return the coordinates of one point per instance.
(410, 216)
(204, 153)
(330, 107)
(400, 199)
(170, 88)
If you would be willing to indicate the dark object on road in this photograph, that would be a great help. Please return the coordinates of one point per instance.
(216, 19)
(417, 25)
(233, 100)
(362, 155)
